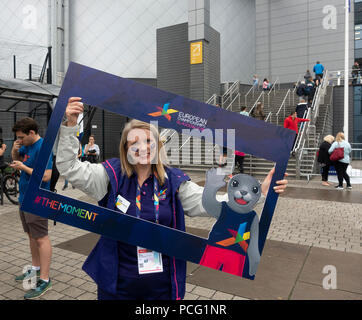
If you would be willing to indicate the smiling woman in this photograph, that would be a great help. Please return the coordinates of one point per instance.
(141, 184)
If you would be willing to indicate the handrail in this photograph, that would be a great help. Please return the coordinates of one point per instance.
(246, 95)
(257, 100)
(274, 86)
(312, 111)
(300, 136)
(231, 103)
(273, 89)
(268, 117)
(297, 83)
(323, 87)
(228, 94)
(282, 105)
(231, 88)
(213, 98)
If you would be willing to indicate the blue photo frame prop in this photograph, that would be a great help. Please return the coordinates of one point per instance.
(135, 100)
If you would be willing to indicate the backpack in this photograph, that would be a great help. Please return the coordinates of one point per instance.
(300, 91)
(307, 90)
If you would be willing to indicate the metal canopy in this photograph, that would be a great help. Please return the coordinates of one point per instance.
(22, 96)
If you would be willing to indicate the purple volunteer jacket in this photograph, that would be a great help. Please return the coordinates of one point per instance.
(102, 263)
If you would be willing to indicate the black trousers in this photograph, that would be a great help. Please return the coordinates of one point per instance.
(341, 169)
(239, 161)
(325, 171)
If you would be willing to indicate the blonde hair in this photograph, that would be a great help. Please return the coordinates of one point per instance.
(158, 168)
(340, 137)
(329, 138)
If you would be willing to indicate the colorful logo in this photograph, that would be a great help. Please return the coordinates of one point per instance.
(165, 111)
(239, 237)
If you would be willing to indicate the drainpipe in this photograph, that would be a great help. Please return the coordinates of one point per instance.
(66, 35)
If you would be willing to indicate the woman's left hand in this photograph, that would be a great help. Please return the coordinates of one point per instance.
(279, 188)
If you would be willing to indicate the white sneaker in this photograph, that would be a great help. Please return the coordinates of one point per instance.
(339, 188)
(349, 187)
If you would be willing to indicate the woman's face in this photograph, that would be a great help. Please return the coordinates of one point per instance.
(141, 147)
(91, 140)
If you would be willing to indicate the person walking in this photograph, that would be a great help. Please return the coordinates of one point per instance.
(307, 75)
(301, 91)
(266, 85)
(318, 70)
(25, 152)
(342, 164)
(292, 122)
(258, 111)
(135, 176)
(323, 158)
(255, 81)
(301, 109)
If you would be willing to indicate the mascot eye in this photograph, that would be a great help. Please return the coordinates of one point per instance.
(234, 184)
(255, 189)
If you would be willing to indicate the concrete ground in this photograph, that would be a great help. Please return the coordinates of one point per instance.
(315, 232)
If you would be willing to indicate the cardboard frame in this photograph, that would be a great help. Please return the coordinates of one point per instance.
(134, 100)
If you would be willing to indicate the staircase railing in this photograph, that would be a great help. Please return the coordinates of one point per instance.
(228, 96)
(313, 110)
(231, 102)
(282, 106)
(269, 117)
(262, 95)
(322, 92)
(294, 92)
(323, 133)
(212, 100)
(251, 90)
(312, 114)
(272, 90)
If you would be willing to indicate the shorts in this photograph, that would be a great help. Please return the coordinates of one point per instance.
(36, 226)
(227, 260)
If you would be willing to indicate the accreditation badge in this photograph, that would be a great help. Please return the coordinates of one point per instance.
(122, 204)
(149, 261)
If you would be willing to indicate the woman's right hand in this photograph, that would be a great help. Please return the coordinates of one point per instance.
(74, 109)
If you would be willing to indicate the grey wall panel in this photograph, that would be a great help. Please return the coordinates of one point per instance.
(235, 21)
(298, 37)
(173, 59)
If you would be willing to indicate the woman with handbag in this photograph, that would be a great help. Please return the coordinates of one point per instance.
(340, 153)
(323, 158)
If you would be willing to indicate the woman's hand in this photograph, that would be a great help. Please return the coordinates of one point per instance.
(279, 188)
(73, 110)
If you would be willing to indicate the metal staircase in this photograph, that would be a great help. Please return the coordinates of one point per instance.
(194, 154)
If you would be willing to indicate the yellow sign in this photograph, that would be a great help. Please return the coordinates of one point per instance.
(196, 52)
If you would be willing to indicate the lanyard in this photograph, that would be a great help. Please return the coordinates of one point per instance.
(156, 202)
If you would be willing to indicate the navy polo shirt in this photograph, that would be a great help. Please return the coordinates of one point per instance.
(128, 263)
